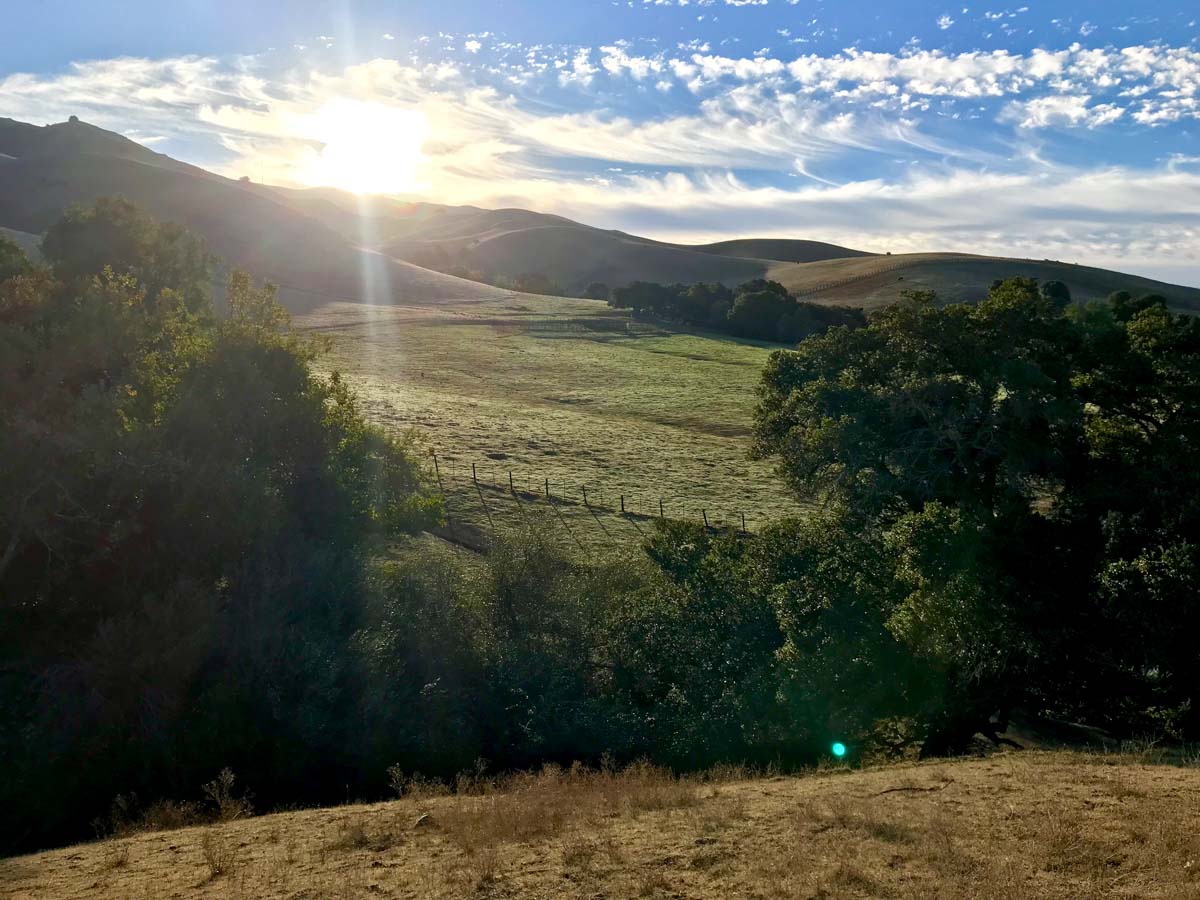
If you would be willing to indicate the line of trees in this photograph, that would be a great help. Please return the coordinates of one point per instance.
(759, 309)
(205, 557)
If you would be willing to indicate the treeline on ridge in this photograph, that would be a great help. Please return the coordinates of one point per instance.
(208, 558)
(759, 309)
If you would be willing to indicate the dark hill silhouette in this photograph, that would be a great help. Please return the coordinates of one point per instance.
(67, 140)
(256, 229)
(782, 249)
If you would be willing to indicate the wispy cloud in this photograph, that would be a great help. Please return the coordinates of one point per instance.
(735, 145)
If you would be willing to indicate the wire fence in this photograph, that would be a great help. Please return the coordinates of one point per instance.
(485, 497)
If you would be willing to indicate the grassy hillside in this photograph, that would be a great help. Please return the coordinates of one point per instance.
(508, 243)
(565, 390)
(1017, 825)
(875, 281)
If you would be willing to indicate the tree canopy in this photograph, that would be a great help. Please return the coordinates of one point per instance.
(186, 508)
(118, 235)
(1021, 470)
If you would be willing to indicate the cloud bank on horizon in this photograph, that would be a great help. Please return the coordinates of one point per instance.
(1052, 130)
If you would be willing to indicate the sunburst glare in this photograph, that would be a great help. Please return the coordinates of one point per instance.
(368, 147)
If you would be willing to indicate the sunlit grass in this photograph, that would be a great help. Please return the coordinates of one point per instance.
(1028, 824)
(567, 391)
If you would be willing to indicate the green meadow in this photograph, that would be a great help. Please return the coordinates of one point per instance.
(569, 392)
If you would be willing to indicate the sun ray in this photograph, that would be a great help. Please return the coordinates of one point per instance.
(367, 147)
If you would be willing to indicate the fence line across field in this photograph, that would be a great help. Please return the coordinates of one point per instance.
(467, 478)
(472, 482)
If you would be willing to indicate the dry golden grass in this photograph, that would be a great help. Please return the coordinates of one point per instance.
(1016, 825)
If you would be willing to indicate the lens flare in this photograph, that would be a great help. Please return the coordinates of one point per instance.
(838, 749)
(367, 147)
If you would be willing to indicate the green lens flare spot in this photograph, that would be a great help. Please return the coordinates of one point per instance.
(838, 749)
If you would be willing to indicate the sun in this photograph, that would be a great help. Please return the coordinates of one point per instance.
(368, 147)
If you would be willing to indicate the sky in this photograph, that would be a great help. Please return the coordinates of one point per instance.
(1061, 130)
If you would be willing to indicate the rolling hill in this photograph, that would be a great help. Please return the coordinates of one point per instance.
(323, 244)
(44, 170)
(780, 249)
(572, 255)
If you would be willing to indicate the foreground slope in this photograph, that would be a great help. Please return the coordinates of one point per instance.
(1017, 825)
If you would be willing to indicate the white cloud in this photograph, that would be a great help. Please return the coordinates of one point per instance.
(1073, 110)
(944, 22)
(700, 170)
(1113, 216)
(580, 70)
(616, 61)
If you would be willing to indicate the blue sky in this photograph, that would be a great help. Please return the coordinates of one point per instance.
(1046, 129)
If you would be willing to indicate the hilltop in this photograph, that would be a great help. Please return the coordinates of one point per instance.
(323, 244)
(44, 170)
(1017, 825)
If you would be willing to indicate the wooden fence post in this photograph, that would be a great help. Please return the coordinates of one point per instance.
(547, 488)
(744, 523)
(584, 489)
(511, 486)
(660, 509)
(622, 504)
(474, 475)
(704, 513)
(442, 489)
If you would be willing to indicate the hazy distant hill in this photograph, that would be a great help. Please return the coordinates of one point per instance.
(501, 242)
(512, 242)
(873, 281)
(322, 243)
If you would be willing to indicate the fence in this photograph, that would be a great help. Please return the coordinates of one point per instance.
(484, 497)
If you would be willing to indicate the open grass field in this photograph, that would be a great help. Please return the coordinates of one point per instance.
(567, 391)
(1028, 824)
